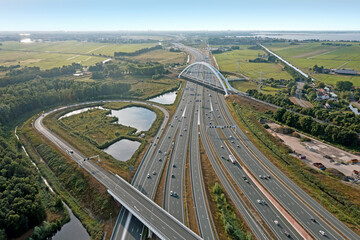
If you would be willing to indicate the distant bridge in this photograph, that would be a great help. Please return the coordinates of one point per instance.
(206, 74)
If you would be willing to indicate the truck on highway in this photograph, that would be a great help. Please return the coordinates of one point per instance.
(232, 159)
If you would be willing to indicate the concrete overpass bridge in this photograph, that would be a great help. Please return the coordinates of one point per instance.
(205, 74)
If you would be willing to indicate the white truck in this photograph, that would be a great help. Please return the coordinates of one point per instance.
(232, 159)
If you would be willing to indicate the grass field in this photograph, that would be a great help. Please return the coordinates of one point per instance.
(306, 55)
(161, 56)
(96, 126)
(56, 54)
(147, 88)
(246, 85)
(227, 61)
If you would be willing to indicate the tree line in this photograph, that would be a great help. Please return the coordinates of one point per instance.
(17, 100)
(136, 53)
(324, 131)
(20, 205)
(16, 76)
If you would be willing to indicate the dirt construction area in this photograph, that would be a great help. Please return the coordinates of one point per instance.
(318, 152)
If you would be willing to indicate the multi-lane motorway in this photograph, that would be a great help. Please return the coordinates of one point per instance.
(271, 197)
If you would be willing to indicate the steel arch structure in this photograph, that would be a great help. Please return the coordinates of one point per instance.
(206, 74)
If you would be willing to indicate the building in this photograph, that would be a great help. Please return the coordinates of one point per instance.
(346, 72)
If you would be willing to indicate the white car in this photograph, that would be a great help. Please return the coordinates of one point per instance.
(322, 232)
(148, 176)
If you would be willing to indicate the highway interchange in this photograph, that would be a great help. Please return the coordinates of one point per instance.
(275, 201)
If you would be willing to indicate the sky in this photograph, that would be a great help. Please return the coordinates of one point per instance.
(90, 15)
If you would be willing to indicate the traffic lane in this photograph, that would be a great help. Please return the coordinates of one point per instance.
(253, 224)
(223, 153)
(200, 203)
(296, 207)
(287, 200)
(164, 147)
(174, 203)
(268, 212)
(135, 225)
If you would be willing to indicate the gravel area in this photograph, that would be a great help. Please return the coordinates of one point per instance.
(316, 150)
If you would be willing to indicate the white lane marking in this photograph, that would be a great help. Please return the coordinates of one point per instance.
(127, 223)
(183, 115)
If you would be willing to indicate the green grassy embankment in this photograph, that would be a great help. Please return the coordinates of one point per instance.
(340, 198)
(232, 225)
(87, 198)
(101, 132)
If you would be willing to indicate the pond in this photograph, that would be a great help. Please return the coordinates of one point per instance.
(136, 117)
(122, 150)
(166, 98)
(80, 111)
(72, 230)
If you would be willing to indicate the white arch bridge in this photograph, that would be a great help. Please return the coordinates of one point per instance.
(206, 74)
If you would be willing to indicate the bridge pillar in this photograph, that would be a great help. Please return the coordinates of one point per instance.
(150, 233)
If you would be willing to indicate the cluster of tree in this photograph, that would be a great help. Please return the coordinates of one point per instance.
(17, 100)
(136, 53)
(344, 85)
(269, 59)
(233, 227)
(174, 50)
(16, 76)
(340, 118)
(278, 99)
(148, 69)
(256, 47)
(7, 68)
(327, 132)
(296, 75)
(318, 69)
(20, 205)
(337, 44)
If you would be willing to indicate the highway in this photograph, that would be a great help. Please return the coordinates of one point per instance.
(169, 146)
(163, 224)
(279, 203)
(308, 213)
(267, 211)
(294, 199)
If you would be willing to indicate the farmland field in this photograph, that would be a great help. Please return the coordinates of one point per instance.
(161, 56)
(306, 55)
(246, 85)
(55, 54)
(227, 61)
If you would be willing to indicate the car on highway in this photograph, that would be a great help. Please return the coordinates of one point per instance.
(171, 193)
(148, 176)
(154, 173)
(322, 232)
(172, 176)
(175, 194)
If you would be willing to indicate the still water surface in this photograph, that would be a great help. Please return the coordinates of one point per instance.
(166, 98)
(72, 230)
(122, 150)
(136, 117)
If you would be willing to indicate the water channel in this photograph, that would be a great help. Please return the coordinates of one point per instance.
(72, 230)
